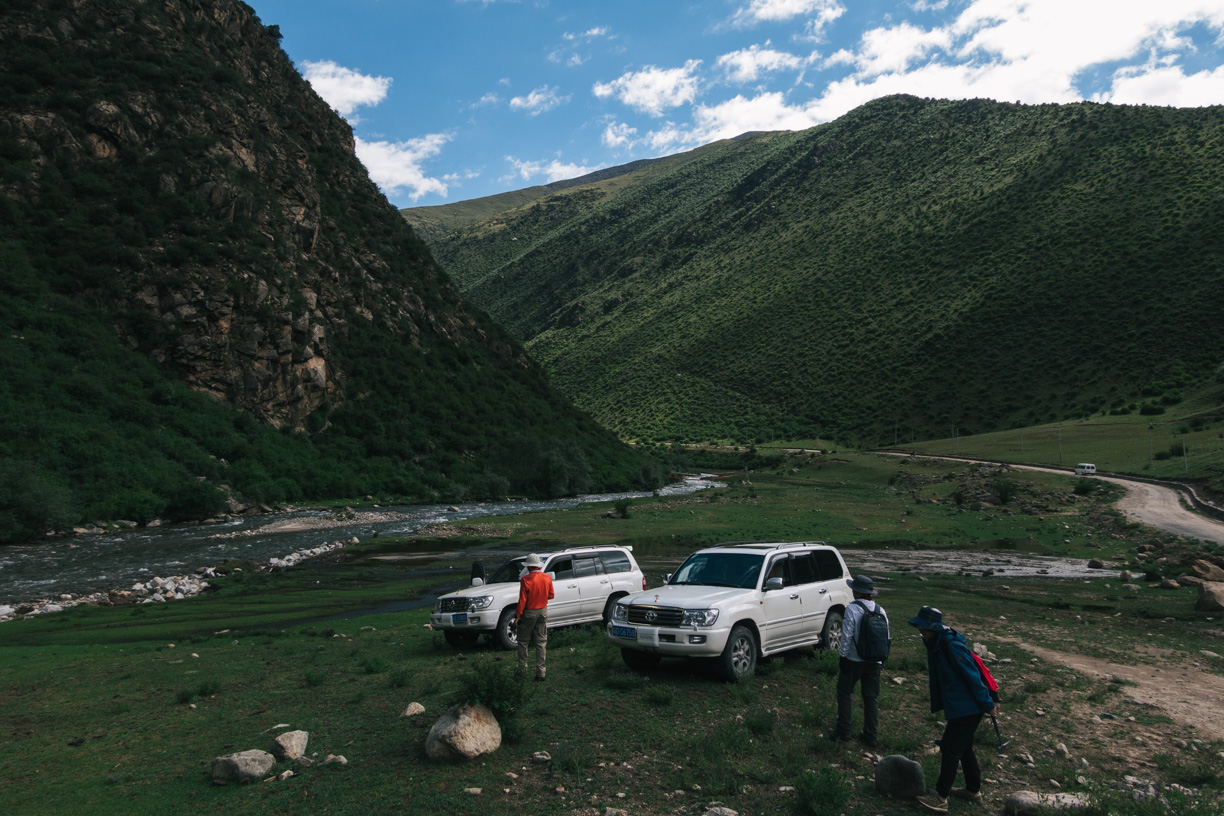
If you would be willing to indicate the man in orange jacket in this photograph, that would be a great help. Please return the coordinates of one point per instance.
(531, 617)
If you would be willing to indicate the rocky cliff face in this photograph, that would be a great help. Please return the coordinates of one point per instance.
(247, 235)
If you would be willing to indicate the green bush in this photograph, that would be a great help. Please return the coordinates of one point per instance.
(500, 686)
(1006, 490)
(823, 792)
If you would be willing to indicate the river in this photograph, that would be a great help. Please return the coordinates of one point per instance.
(85, 564)
(97, 563)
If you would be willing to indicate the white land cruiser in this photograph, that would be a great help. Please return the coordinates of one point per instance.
(587, 581)
(735, 603)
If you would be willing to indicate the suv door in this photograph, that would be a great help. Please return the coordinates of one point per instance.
(567, 601)
(593, 585)
(783, 623)
(813, 594)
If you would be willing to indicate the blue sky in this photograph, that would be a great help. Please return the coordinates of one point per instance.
(457, 99)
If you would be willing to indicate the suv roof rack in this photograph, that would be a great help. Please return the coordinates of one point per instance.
(597, 547)
(769, 545)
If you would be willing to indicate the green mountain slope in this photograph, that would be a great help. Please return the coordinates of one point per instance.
(203, 297)
(916, 263)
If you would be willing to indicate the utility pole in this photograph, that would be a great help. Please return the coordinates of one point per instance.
(1060, 443)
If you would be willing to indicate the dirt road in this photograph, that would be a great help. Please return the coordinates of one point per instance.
(1145, 503)
(1156, 506)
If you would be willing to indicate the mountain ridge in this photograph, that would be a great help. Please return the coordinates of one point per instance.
(922, 263)
(208, 305)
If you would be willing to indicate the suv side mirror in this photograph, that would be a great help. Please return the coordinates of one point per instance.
(773, 583)
(477, 582)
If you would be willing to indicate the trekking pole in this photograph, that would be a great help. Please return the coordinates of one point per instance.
(998, 734)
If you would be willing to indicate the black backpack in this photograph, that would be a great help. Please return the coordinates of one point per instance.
(872, 641)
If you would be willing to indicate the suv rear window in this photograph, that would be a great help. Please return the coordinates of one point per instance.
(616, 561)
(827, 565)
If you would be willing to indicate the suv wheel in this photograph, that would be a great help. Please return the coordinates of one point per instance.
(505, 636)
(460, 640)
(739, 656)
(831, 635)
(609, 607)
(640, 661)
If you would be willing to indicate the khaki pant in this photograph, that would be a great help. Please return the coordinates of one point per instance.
(533, 630)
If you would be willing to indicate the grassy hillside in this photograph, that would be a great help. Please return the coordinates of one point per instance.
(203, 296)
(916, 263)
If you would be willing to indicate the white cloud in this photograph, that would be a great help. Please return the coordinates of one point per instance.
(396, 166)
(652, 89)
(618, 134)
(343, 88)
(589, 34)
(538, 101)
(823, 12)
(1032, 51)
(1159, 85)
(748, 64)
(886, 50)
(553, 170)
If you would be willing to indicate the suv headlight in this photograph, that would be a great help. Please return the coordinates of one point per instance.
(699, 617)
(480, 602)
(620, 612)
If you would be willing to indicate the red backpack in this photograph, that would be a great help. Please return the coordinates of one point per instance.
(987, 677)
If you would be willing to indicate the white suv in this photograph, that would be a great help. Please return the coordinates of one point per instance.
(587, 581)
(737, 602)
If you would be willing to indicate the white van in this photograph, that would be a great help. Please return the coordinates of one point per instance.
(1085, 469)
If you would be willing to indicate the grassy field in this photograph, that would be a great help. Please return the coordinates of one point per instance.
(122, 709)
(1187, 443)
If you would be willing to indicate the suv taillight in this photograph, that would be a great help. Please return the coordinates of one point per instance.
(643, 582)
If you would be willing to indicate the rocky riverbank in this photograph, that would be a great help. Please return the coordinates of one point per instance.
(163, 590)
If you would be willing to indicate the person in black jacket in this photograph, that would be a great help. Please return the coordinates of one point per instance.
(957, 688)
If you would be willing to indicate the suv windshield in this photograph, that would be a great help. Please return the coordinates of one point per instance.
(720, 569)
(507, 573)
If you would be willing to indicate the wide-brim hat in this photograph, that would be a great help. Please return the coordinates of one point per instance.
(533, 560)
(862, 585)
(928, 618)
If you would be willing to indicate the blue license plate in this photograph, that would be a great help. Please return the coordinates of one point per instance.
(627, 632)
(459, 617)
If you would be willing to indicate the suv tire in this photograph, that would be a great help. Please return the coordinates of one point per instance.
(608, 608)
(640, 661)
(505, 636)
(460, 640)
(831, 635)
(739, 656)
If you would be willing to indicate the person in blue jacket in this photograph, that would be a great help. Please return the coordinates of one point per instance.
(958, 690)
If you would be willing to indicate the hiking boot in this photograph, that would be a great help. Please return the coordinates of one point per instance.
(836, 737)
(966, 794)
(870, 742)
(933, 801)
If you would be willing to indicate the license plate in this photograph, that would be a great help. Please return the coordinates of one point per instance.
(627, 632)
(459, 617)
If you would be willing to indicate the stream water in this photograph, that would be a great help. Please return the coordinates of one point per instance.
(97, 563)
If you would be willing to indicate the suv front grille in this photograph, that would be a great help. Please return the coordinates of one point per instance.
(655, 615)
(453, 605)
